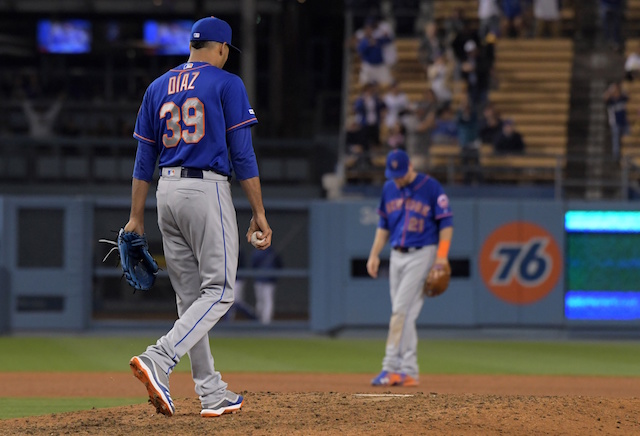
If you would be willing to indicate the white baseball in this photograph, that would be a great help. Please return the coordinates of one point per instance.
(254, 239)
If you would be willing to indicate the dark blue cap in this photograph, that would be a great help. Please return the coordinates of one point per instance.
(397, 164)
(212, 29)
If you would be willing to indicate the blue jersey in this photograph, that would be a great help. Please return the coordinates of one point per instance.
(265, 261)
(186, 116)
(414, 214)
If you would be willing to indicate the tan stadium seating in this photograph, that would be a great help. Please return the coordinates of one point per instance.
(534, 80)
(444, 9)
(631, 143)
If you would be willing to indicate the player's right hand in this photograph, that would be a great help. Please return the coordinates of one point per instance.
(372, 266)
(259, 223)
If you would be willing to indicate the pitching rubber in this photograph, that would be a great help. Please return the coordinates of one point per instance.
(156, 396)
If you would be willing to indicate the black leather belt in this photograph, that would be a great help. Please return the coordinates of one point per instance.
(406, 249)
(191, 173)
(195, 173)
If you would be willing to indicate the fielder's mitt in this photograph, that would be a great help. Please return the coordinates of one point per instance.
(437, 280)
(138, 266)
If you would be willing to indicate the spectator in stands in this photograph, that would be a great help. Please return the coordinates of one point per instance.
(389, 51)
(41, 119)
(457, 45)
(445, 130)
(547, 17)
(489, 15)
(439, 74)
(382, 29)
(469, 142)
(616, 101)
(509, 141)
(420, 124)
(632, 64)
(370, 48)
(611, 20)
(369, 109)
(511, 18)
(431, 45)
(490, 124)
(453, 25)
(397, 137)
(476, 71)
(396, 102)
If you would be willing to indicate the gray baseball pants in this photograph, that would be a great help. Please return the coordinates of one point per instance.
(197, 220)
(407, 273)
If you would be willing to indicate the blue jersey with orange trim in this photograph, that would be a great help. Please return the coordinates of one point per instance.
(187, 113)
(414, 214)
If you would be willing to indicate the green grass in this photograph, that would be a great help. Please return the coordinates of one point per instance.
(98, 354)
(20, 407)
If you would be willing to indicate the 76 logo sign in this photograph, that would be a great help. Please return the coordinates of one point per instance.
(527, 263)
(520, 262)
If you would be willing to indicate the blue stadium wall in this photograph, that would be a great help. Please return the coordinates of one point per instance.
(516, 263)
(509, 261)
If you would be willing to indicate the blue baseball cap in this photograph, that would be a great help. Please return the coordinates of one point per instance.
(212, 29)
(397, 164)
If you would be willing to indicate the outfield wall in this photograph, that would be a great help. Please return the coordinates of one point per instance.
(509, 260)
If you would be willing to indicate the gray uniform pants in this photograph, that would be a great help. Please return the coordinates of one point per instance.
(197, 220)
(407, 273)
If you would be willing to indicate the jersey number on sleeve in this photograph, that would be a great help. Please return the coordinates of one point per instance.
(191, 114)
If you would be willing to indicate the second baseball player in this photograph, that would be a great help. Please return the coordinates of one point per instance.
(416, 218)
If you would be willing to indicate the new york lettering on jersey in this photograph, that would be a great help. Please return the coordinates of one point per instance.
(410, 213)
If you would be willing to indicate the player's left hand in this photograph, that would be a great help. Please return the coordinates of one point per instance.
(438, 278)
(440, 266)
(134, 226)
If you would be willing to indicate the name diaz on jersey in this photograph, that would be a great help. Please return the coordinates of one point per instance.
(182, 82)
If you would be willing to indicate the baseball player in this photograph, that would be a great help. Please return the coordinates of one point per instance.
(265, 285)
(416, 219)
(196, 119)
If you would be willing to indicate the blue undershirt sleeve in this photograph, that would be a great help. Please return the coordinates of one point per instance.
(243, 157)
(145, 163)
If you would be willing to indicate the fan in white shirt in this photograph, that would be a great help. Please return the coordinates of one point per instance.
(396, 101)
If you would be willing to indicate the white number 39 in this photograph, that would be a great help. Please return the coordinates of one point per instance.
(191, 114)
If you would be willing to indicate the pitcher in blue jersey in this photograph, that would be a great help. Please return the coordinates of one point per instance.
(416, 219)
(194, 120)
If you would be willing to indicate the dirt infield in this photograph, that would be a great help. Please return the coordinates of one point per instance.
(314, 404)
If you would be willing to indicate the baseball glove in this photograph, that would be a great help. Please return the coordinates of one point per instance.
(138, 266)
(437, 280)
